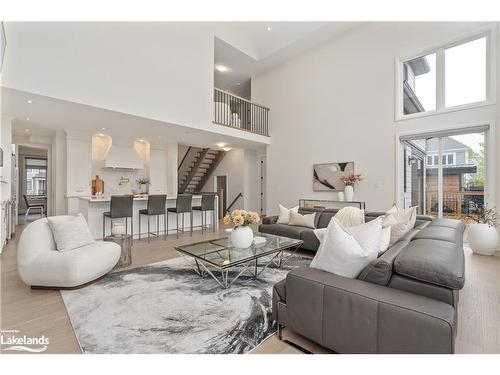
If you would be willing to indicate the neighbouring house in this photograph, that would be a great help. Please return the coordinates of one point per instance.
(459, 175)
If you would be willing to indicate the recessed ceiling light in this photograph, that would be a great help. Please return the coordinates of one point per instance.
(26, 130)
(269, 28)
(238, 83)
(221, 144)
(103, 128)
(27, 118)
(29, 101)
(221, 68)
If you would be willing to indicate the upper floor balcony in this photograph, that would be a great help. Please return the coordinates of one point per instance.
(236, 112)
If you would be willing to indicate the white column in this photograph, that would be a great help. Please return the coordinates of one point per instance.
(172, 156)
(78, 168)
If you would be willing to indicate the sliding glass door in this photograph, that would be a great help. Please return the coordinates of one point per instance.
(452, 180)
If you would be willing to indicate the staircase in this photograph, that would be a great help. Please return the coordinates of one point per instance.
(199, 168)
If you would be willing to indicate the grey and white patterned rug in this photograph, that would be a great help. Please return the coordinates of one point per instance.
(167, 308)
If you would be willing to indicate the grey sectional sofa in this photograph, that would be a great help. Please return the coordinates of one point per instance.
(405, 301)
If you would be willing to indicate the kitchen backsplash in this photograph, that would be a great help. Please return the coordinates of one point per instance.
(112, 178)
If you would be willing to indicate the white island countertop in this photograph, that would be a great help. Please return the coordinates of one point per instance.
(108, 198)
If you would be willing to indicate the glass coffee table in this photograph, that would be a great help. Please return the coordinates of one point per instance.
(218, 257)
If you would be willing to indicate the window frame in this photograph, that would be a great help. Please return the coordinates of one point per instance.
(490, 34)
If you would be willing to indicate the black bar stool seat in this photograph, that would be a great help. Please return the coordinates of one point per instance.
(183, 205)
(207, 204)
(121, 208)
(156, 207)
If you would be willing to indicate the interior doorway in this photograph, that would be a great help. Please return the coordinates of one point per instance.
(221, 188)
(445, 173)
(33, 182)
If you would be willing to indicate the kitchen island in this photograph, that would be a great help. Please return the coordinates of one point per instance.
(92, 209)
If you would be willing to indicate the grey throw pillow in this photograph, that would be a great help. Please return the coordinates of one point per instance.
(70, 232)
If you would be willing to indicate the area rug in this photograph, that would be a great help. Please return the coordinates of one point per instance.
(167, 308)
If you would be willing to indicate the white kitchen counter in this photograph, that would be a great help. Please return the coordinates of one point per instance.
(92, 209)
(108, 198)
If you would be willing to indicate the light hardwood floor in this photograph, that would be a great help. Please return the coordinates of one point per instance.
(42, 312)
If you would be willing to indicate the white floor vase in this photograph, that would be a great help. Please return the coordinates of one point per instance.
(483, 239)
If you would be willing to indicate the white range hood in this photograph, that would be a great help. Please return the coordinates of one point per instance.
(124, 158)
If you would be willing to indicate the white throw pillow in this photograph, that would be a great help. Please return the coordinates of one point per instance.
(385, 239)
(320, 233)
(346, 252)
(70, 232)
(350, 216)
(302, 220)
(401, 222)
(284, 217)
(393, 209)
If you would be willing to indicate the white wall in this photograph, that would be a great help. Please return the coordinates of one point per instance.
(157, 70)
(336, 103)
(251, 181)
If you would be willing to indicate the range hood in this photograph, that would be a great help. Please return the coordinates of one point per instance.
(124, 158)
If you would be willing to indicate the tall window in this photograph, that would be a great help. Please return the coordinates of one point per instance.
(448, 77)
(36, 176)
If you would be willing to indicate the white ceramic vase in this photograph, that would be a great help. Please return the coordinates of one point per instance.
(242, 237)
(483, 239)
(340, 196)
(118, 228)
(348, 193)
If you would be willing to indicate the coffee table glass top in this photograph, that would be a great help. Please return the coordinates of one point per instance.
(220, 253)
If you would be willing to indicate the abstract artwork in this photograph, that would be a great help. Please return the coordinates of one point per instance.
(326, 177)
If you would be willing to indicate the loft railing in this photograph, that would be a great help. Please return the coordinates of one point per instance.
(236, 112)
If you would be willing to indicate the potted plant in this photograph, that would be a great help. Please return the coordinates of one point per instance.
(482, 234)
(144, 183)
(242, 234)
(349, 181)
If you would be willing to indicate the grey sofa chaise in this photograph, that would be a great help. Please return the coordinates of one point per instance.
(405, 301)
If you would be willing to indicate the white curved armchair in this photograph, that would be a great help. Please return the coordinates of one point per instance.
(41, 264)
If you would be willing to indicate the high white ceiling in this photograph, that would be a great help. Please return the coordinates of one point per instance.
(248, 48)
(254, 38)
(47, 115)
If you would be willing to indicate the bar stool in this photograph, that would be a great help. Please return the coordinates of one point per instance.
(207, 204)
(156, 207)
(183, 204)
(121, 207)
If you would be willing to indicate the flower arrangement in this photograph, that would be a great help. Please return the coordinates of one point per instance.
(143, 181)
(239, 218)
(351, 179)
